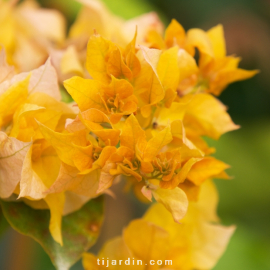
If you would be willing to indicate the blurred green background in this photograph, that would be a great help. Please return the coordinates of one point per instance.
(245, 200)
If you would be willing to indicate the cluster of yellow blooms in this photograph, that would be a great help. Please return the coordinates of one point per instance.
(142, 111)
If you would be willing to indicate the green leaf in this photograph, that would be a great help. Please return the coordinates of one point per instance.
(3, 223)
(80, 229)
(66, 97)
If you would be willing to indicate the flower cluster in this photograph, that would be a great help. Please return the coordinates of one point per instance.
(143, 107)
(145, 121)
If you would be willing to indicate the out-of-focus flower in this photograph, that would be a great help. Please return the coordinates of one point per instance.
(28, 31)
(196, 243)
(95, 15)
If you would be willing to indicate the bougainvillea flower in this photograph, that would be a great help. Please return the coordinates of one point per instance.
(215, 70)
(115, 99)
(156, 237)
(143, 160)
